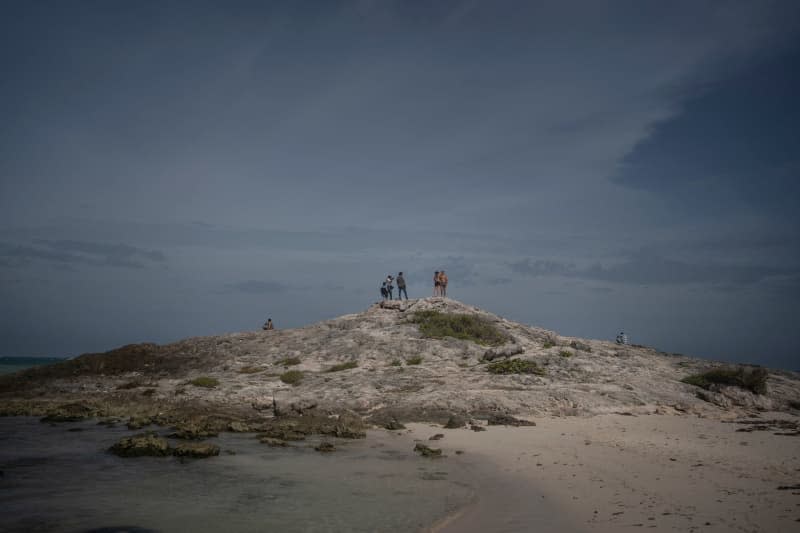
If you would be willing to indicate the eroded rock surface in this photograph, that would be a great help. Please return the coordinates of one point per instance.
(400, 375)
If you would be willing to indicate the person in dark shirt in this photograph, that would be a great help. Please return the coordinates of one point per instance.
(401, 286)
(268, 325)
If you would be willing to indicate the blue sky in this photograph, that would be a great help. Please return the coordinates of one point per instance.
(173, 169)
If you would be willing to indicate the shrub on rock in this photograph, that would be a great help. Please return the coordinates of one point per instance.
(753, 379)
(292, 377)
(205, 382)
(515, 366)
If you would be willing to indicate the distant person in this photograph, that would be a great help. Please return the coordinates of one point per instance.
(268, 325)
(443, 283)
(436, 283)
(384, 292)
(401, 286)
(622, 338)
(389, 286)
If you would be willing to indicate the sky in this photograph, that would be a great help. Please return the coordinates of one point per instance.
(176, 169)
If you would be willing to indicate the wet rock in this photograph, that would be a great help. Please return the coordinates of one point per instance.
(283, 434)
(508, 420)
(193, 431)
(273, 443)
(197, 450)
(294, 407)
(455, 422)
(325, 447)
(427, 451)
(143, 444)
(438, 436)
(69, 412)
(138, 422)
(394, 425)
(348, 426)
(239, 427)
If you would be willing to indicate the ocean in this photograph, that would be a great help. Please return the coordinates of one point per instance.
(9, 365)
(60, 477)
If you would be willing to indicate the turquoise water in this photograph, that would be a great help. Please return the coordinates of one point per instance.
(9, 365)
(61, 478)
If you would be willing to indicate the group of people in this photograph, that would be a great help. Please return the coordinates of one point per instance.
(439, 283)
(387, 288)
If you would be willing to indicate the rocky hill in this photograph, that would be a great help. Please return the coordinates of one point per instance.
(394, 360)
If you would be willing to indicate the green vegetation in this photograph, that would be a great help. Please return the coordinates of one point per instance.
(289, 361)
(417, 359)
(548, 344)
(436, 325)
(292, 377)
(515, 366)
(205, 381)
(396, 362)
(343, 366)
(565, 353)
(251, 369)
(753, 379)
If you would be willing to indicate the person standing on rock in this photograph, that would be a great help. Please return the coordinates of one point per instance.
(268, 325)
(384, 293)
(443, 283)
(401, 286)
(436, 283)
(389, 286)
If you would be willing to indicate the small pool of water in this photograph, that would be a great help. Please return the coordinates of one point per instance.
(60, 477)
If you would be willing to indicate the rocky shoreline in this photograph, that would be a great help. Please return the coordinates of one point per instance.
(377, 368)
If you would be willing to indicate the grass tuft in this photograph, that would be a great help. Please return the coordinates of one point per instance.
(205, 382)
(396, 362)
(565, 353)
(343, 366)
(289, 361)
(292, 377)
(415, 360)
(515, 366)
(753, 379)
(437, 325)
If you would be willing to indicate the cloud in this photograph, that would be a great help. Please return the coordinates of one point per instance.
(646, 268)
(541, 267)
(253, 286)
(70, 252)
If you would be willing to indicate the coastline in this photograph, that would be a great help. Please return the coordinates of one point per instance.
(613, 472)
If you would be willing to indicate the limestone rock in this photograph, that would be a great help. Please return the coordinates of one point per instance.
(196, 450)
(503, 351)
(455, 422)
(143, 444)
(427, 451)
(508, 420)
(325, 447)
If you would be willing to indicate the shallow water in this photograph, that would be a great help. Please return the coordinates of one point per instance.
(60, 477)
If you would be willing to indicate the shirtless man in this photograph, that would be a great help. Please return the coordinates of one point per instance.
(443, 283)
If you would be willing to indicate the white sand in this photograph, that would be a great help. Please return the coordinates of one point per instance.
(614, 472)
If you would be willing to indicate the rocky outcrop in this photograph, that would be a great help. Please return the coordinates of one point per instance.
(196, 450)
(508, 420)
(427, 451)
(401, 373)
(143, 444)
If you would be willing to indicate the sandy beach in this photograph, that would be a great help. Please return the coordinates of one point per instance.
(615, 472)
